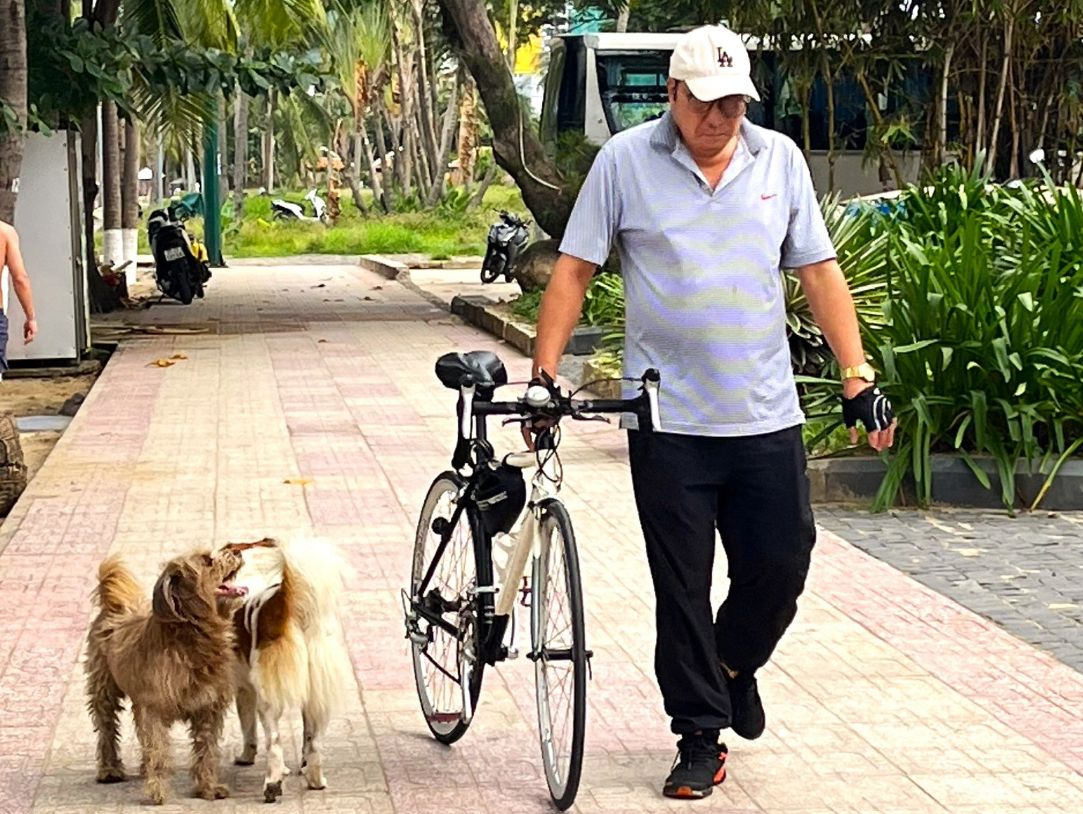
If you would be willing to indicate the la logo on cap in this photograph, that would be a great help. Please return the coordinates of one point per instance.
(724, 59)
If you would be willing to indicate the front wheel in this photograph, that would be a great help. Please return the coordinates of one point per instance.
(493, 267)
(447, 667)
(559, 654)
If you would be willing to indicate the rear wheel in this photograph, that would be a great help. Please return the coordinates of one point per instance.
(560, 655)
(493, 267)
(447, 667)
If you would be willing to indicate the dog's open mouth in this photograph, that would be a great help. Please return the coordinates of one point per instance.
(228, 590)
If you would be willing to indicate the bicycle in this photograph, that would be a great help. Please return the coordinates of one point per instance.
(459, 608)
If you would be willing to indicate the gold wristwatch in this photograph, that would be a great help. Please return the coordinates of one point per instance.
(863, 371)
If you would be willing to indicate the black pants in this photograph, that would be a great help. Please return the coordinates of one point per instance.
(755, 491)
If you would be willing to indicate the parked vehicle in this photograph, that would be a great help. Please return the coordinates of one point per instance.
(181, 266)
(507, 239)
(285, 210)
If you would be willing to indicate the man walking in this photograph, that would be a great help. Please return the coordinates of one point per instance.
(704, 209)
(12, 259)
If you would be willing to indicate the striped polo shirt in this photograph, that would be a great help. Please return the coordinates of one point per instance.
(704, 298)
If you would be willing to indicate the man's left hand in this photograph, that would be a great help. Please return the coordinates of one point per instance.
(30, 330)
(872, 408)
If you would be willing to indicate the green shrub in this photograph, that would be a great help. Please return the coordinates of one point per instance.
(981, 344)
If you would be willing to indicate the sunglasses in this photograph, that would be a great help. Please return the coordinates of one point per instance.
(732, 107)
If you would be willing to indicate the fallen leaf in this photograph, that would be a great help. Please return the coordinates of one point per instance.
(162, 363)
(178, 356)
(377, 288)
(321, 341)
(1062, 606)
(320, 285)
(367, 299)
(298, 481)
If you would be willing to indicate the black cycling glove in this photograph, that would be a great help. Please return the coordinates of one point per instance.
(870, 407)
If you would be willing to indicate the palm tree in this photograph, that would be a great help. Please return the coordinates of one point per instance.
(358, 41)
(13, 99)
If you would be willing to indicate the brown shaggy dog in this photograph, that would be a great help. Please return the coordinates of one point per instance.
(173, 659)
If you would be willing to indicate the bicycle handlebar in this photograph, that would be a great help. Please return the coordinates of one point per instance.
(548, 402)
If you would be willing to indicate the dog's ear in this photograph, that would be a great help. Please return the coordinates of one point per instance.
(163, 603)
(173, 594)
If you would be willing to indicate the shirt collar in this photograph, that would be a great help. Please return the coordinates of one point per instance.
(667, 137)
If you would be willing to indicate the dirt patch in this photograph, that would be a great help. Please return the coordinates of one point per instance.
(27, 395)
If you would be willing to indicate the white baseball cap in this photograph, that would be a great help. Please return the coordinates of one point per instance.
(713, 62)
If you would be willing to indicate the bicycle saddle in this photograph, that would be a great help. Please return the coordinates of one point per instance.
(483, 366)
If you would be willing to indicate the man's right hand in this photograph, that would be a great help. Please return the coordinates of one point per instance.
(30, 330)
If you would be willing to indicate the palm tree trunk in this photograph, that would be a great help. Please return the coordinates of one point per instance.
(158, 188)
(468, 131)
(269, 143)
(425, 97)
(353, 171)
(240, 154)
(622, 18)
(979, 141)
(436, 192)
(406, 113)
(385, 178)
(1009, 30)
(224, 175)
(378, 195)
(13, 92)
(113, 243)
(129, 199)
(942, 113)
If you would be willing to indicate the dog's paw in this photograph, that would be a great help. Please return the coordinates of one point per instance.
(317, 783)
(219, 791)
(155, 797)
(112, 774)
(247, 756)
(272, 791)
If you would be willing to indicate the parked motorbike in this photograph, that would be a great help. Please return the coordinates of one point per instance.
(507, 239)
(181, 264)
(285, 210)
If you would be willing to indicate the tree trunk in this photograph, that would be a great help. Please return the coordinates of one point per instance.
(158, 184)
(515, 145)
(468, 130)
(513, 18)
(832, 152)
(269, 144)
(387, 178)
(129, 199)
(407, 95)
(984, 63)
(622, 18)
(424, 94)
(240, 153)
(88, 141)
(942, 112)
(479, 196)
(375, 181)
(425, 162)
(224, 175)
(352, 171)
(1009, 30)
(1013, 166)
(113, 243)
(437, 190)
(13, 92)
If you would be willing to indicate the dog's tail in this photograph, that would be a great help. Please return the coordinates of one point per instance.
(118, 592)
(317, 572)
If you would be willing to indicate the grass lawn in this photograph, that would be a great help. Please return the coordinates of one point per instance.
(440, 233)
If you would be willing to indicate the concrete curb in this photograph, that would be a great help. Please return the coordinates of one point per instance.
(480, 311)
(854, 480)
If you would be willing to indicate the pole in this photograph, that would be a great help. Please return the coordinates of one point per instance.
(212, 208)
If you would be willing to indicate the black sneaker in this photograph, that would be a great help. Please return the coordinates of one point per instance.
(746, 709)
(700, 766)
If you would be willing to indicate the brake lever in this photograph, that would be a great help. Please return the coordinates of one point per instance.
(583, 417)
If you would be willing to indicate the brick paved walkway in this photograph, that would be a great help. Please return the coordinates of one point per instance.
(884, 697)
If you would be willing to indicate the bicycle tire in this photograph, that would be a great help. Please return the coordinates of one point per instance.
(562, 776)
(447, 724)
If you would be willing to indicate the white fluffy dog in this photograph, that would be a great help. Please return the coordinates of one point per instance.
(290, 649)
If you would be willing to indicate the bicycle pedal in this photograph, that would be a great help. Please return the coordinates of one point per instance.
(525, 593)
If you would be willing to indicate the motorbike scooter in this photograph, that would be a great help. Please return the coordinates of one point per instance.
(285, 210)
(507, 239)
(181, 267)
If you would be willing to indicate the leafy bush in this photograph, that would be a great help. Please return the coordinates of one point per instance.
(982, 338)
(603, 305)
